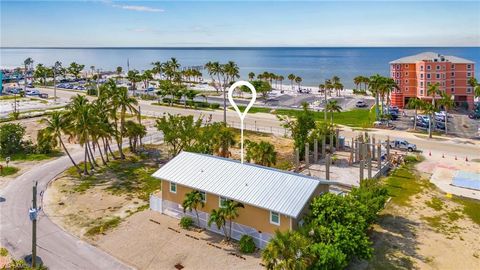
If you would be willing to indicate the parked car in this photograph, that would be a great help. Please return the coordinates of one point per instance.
(360, 104)
(150, 89)
(440, 125)
(33, 92)
(43, 95)
(421, 124)
(474, 115)
(403, 145)
(394, 109)
(439, 118)
(30, 85)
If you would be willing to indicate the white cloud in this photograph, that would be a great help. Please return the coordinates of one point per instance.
(139, 8)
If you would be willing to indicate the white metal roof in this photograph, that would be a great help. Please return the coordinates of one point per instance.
(263, 187)
(431, 56)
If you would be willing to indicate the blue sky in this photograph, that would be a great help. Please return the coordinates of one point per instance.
(232, 23)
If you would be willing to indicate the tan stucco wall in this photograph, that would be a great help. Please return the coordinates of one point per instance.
(249, 216)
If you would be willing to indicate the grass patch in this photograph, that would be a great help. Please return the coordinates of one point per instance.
(471, 208)
(129, 176)
(104, 226)
(252, 109)
(33, 156)
(355, 118)
(403, 182)
(435, 204)
(8, 171)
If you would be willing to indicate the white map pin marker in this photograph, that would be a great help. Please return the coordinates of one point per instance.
(244, 113)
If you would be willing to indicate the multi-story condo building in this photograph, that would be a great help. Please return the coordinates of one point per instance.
(413, 74)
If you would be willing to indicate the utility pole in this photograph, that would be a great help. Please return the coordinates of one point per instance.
(33, 217)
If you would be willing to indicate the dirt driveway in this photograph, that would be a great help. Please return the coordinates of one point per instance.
(150, 240)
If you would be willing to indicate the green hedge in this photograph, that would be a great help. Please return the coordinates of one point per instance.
(247, 245)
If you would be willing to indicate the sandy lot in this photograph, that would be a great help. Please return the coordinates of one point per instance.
(430, 232)
(147, 244)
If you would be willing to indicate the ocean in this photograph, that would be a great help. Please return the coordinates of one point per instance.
(313, 65)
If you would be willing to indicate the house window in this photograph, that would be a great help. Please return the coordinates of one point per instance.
(421, 68)
(469, 74)
(469, 90)
(452, 90)
(204, 196)
(453, 74)
(398, 66)
(406, 89)
(406, 65)
(428, 83)
(437, 67)
(438, 76)
(406, 81)
(469, 66)
(421, 76)
(397, 75)
(173, 187)
(453, 66)
(421, 84)
(421, 92)
(406, 73)
(429, 67)
(452, 82)
(428, 75)
(222, 201)
(275, 218)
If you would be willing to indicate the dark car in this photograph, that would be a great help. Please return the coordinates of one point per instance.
(474, 115)
(360, 104)
(440, 125)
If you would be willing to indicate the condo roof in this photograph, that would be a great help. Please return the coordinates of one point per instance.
(431, 56)
(263, 187)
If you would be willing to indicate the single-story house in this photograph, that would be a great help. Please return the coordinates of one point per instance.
(273, 199)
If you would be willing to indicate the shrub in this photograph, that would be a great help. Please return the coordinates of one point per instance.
(246, 244)
(147, 97)
(186, 222)
(11, 136)
(214, 106)
(46, 142)
(92, 92)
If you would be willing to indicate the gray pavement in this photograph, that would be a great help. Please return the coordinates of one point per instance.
(57, 248)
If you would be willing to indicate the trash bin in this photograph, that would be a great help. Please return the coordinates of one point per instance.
(341, 142)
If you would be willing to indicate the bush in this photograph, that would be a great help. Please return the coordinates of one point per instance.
(46, 142)
(186, 222)
(246, 244)
(214, 106)
(147, 97)
(11, 136)
(92, 92)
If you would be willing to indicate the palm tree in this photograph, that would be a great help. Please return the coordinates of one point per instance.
(230, 210)
(375, 85)
(134, 77)
(286, 250)
(217, 216)
(56, 69)
(193, 201)
(251, 76)
(56, 124)
(291, 77)
(433, 90)
(298, 80)
(357, 81)
(415, 103)
(332, 106)
(447, 103)
(281, 78)
(224, 139)
(122, 102)
(262, 153)
(27, 63)
(429, 109)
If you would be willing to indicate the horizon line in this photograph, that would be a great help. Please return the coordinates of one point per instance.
(223, 47)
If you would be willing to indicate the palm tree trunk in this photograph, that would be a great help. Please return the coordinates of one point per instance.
(415, 120)
(446, 121)
(92, 158)
(101, 155)
(85, 170)
(120, 142)
(198, 218)
(430, 126)
(68, 154)
(105, 150)
(230, 230)
(110, 150)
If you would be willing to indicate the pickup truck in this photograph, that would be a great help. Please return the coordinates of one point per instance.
(403, 145)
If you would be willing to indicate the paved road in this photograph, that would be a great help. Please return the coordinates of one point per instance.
(269, 123)
(57, 248)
